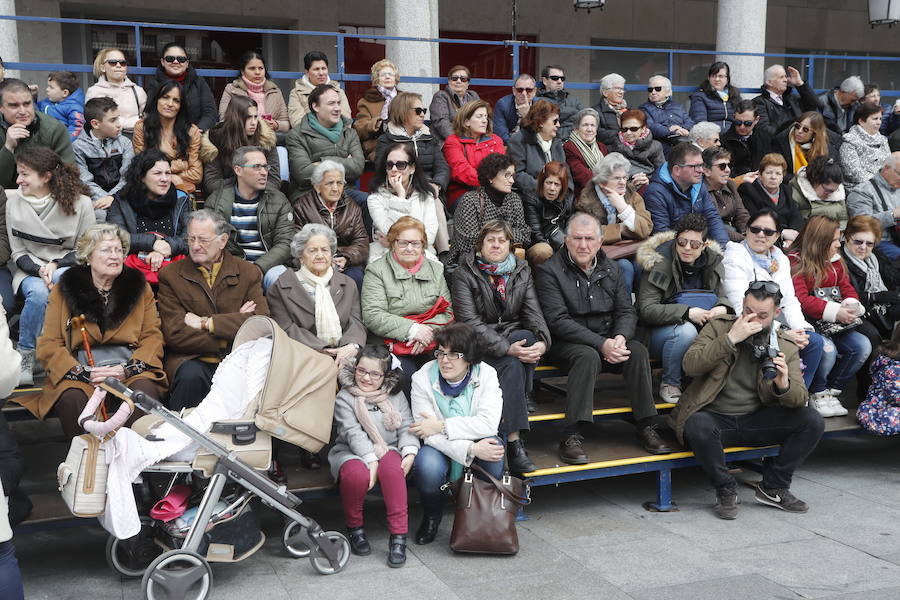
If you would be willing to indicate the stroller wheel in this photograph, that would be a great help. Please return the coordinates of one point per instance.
(292, 542)
(321, 563)
(180, 574)
(130, 558)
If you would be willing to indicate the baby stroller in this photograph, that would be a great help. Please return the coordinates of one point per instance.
(295, 405)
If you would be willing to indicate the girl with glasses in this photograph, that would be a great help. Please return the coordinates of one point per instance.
(715, 99)
(111, 71)
(635, 142)
(611, 106)
(446, 102)
(174, 65)
(805, 140)
(373, 108)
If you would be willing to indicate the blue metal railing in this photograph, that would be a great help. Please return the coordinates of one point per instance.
(340, 75)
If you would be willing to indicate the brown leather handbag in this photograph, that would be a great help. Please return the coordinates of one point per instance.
(485, 519)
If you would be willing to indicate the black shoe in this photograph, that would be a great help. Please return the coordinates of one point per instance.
(652, 441)
(310, 460)
(570, 450)
(532, 405)
(727, 501)
(396, 550)
(359, 543)
(427, 530)
(517, 457)
(780, 498)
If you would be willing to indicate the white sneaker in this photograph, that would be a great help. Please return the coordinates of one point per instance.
(669, 393)
(821, 401)
(837, 409)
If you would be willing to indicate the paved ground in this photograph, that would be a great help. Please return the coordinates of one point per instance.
(585, 540)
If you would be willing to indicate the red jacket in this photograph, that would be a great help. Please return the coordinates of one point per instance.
(813, 306)
(581, 173)
(463, 156)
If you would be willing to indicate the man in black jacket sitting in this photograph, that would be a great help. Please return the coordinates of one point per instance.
(777, 105)
(592, 322)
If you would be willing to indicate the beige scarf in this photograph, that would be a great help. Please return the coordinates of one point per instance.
(391, 416)
(328, 324)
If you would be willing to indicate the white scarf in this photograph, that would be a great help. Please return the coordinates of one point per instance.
(39, 204)
(545, 146)
(328, 324)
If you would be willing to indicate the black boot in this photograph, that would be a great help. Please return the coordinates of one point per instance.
(428, 530)
(397, 550)
(517, 457)
(530, 403)
(310, 460)
(359, 543)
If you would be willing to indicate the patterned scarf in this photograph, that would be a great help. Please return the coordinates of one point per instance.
(766, 261)
(874, 282)
(589, 152)
(391, 419)
(498, 273)
(255, 92)
(328, 323)
(389, 95)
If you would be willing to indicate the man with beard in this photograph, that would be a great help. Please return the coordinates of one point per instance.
(748, 391)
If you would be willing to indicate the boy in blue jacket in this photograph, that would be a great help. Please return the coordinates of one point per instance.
(64, 101)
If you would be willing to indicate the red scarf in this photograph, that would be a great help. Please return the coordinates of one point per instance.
(413, 269)
(180, 79)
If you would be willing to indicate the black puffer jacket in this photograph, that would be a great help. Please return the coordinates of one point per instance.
(581, 309)
(201, 105)
(775, 118)
(476, 303)
(746, 154)
(547, 219)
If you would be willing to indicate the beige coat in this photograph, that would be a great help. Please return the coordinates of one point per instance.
(274, 101)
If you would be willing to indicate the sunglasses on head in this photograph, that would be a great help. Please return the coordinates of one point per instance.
(743, 123)
(524, 90)
(556, 77)
(462, 78)
(400, 164)
(420, 111)
(770, 287)
(657, 88)
(632, 129)
(694, 244)
(114, 61)
(171, 58)
(764, 230)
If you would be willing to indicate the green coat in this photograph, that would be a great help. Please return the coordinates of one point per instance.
(809, 204)
(50, 133)
(306, 146)
(275, 221)
(662, 279)
(389, 292)
(710, 360)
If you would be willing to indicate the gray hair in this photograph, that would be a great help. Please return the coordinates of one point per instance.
(207, 214)
(770, 72)
(586, 112)
(610, 81)
(240, 155)
(892, 161)
(524, 77)
(581, 216)
(704, 130)
(302, 237)
(95, 234)
(666, 82)
(325, 166)
(609, 164)
(853, 85)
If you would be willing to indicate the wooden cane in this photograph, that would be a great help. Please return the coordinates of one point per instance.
(79, 322)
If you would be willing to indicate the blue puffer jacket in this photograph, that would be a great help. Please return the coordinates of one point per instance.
(659, 119)
(69, 111)
(667, 204)
(715, 110)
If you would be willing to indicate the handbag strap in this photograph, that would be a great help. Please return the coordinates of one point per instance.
(90, 463)
(520, 500)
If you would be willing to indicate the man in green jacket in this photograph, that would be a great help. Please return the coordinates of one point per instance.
(735, 400)
(21, 127)
(261, 220)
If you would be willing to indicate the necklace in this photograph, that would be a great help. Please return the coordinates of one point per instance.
(104, 295)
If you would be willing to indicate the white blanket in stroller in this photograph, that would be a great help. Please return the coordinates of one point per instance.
(236, 383)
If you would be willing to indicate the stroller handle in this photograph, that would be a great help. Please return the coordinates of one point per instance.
(117, 388)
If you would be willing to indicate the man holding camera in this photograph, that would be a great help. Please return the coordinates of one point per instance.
(748, 390)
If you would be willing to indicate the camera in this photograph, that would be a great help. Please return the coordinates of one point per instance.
(764, 353)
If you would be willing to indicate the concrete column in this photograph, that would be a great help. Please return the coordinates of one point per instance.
(413, 18)
(9, 36)
(741, 27)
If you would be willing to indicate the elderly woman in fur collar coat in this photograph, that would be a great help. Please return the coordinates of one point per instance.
(681, 289)
(122, 328)
(373, 444)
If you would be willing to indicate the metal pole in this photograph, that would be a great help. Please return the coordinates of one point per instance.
(515, 62)
(515, 17)
(137, 53)
(340, 59)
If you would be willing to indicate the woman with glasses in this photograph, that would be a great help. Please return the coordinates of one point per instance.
(111, 71)
(494, 199)
(328, 205)
(668, 121)
(472, 140)
(405, 298)
(769, 191)
(758, 258)
(457, 404)
(724, 192)
(254, 83)
(534, 145)
(817, 190)
(611, 106)
(446, 102)
(681, 289)
(174, 65)
(635, 142)
(582, 149)
(804, 141)
(373, 444)
(401, 189)
(715, 99)
(166, 126)
(373, 108)
(878, 292)
(317, 305)
(828, 299)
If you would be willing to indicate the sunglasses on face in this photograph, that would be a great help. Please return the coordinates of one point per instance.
(802, 128)
(420, 111)
(657, 88)
(767, 232)
(694, 244)
(743, 123)
(556, 77)
(172, 58)
(401, 165)
(114, 61)
(525, 90)
(631, 129)
(722, 166)
(861, 243)
(462, 78)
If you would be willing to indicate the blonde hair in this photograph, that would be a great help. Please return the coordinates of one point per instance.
(381, 64)
(101, 58)
(95, 234)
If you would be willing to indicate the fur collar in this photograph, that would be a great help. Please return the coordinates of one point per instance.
(648, 254)
(373, 95)
(806, 188)
(82, 297)
(391, 382)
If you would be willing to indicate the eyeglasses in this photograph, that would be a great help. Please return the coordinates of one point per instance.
(440, 354)
(525, 90)
(420, 111)
(401, 165)
(373, 375)
(696, 167)
(556, 77)
(724, 166)
(114, 61)
(556, 121)
(632, 129)
(861, 243)
(505, 175)
(757, 230)
(743, 123)
(461, 78)
(694, 244)
(171, 58)
(416, 244)
(256, 166)
(770, 287)
(802, 128)
(191, 240)
(656, 88)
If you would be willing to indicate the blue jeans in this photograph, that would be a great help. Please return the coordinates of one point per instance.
(10, 577)
(811, 355)
(889, 249)
(669, 343)
(854, 348)
(627, 269)
(271, 275)
(6, 290)
(31, 322)
(430, 471)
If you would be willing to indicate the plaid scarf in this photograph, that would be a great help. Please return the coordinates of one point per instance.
(498, 273)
